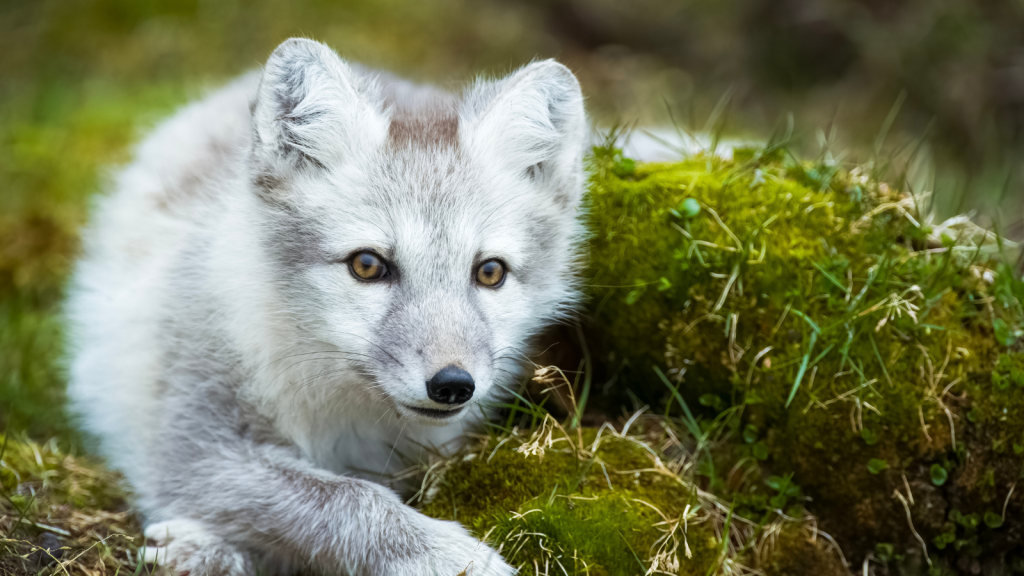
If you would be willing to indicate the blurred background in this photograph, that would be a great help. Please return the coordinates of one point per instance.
(931, 90)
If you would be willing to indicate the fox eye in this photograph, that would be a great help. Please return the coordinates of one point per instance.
(491, 274)
(367, 266)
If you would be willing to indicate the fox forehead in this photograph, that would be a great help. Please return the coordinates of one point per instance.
(422, 204)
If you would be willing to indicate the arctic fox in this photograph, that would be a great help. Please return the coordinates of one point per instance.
(309, 269)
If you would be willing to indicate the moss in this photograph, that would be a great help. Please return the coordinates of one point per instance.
(797, 554)
(617, 506)
(850, 345)
(1009, 371)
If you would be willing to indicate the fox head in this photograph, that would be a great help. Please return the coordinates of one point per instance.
(418, 240)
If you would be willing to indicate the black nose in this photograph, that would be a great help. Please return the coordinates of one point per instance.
(451, 385)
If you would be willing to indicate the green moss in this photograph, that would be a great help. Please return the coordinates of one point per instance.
(1009, 371)
(617, 506)
(819, 307)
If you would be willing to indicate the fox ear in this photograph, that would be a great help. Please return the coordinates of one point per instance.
(531, 122)
(312, 109)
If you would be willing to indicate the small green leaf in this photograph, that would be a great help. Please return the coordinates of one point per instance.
(993, 520)
(969, 521)
(875, 465)
(636, 293)
(884, 552)
(711, 401)
(939, 474)
(761, 451)
(974, 415)
(663, 284)
(944, 539)
(753, 397)
(1004, 334)
(869, 437)
(690, 208)
(750, 434)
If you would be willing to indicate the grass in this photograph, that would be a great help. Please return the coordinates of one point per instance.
(841, 338)
(61, 514)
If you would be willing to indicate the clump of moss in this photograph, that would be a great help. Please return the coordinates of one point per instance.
(597, 502)
(842, 340)
(60, 514)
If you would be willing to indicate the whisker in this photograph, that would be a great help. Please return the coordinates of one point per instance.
(368, 341)
(393, 446)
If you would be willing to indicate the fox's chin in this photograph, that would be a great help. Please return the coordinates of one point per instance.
(432, 416)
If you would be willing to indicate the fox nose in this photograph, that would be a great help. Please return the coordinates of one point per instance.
(451, 385)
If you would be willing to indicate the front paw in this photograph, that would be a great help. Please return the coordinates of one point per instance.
(188, 548)
(452, 551)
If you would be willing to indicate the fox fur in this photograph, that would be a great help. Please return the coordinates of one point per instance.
(252, 390)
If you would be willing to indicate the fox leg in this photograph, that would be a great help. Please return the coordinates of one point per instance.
(224, 487)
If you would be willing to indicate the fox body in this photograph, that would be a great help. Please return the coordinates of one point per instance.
(309, 270)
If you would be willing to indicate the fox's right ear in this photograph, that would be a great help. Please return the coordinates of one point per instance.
(313, 111)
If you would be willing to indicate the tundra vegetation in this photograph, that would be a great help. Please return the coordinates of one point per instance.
(794, 370)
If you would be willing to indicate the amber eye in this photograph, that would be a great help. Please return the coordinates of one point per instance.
(368, 266)
(491, 274)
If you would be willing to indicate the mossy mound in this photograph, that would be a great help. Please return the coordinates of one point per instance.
(60, 514)
(833, 336)
(597, 502)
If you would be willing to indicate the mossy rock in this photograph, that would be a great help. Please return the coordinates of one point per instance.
(838, 338)
(599, 503)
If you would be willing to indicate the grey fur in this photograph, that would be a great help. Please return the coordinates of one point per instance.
(250, 388)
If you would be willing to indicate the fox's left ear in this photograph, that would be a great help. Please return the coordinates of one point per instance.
(533, 123)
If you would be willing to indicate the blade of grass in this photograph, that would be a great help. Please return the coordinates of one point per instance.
(803, 368)
(887, 125)
(587, 373)
(689, 420)
(725, 544)
(638, 561)
(512, 414)
(807, 319)
(874, 347)
(822, 355)
(830, 277)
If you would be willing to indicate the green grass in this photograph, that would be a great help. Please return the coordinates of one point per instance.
(62, 514)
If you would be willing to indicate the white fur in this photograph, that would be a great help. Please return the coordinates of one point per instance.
(238, 374)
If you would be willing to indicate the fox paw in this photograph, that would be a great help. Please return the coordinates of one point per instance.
(188, 548)
(454, 552)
